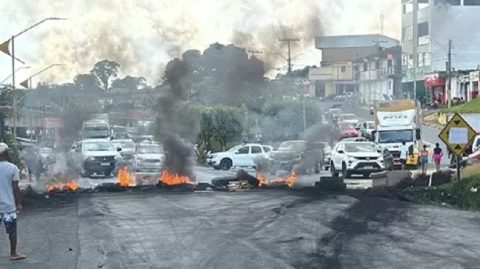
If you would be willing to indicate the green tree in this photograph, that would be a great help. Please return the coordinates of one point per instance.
(86, 82)
(226, 125)
(105, 71)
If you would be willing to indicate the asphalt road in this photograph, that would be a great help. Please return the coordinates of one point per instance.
(256, 229)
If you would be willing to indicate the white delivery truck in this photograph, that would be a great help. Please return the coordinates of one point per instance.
(97, 127)
(397, 122)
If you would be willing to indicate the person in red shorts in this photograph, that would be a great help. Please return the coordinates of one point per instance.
(437, 156)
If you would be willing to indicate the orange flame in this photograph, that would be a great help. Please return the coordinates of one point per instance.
(124, 179)
(71, 185)
(286, 180)
(172, 179)
(262, 180)
(291, 179)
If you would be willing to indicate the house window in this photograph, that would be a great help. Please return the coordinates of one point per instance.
(377, 64)
(365, 66)
(471, 2)
(448, 2)
(343, 69)
(389, 63)
(423, 29)
(407, 33)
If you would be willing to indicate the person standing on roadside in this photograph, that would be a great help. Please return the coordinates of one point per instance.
(424, 159)
(10, 200)
(403, 155)
(437, 156)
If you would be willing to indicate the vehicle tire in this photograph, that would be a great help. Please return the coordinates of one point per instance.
(225, 164)
(345, 172)
(366, 175)
(318, 168)
(333, 170)
(216, 167)
(86, 173)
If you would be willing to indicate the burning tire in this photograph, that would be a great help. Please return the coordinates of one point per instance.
(225, 164)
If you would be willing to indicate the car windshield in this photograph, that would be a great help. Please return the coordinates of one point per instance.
(359, 147)
(96, 132)
(346, 125)
(234, 149)
(98, 146)
(335, 111)
(348, 117)
(151, 149)
(395, 136)
(292, 145)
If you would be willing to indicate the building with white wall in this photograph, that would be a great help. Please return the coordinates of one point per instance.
(379, 76)
(437, 22)
(338, 72)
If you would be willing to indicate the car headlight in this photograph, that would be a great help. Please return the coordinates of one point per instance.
(118, 157)
(90, 158)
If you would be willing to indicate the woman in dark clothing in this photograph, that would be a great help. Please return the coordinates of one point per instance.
(437, 156)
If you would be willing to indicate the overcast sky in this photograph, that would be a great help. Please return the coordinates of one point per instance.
(142, 35)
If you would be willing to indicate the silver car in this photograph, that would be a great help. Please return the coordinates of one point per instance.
(149, 157)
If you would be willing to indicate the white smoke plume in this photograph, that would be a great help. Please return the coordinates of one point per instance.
(143, 35)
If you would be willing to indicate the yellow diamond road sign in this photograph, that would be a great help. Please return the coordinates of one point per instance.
(457, 135)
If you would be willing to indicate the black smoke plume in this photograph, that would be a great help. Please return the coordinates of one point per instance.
(176, 123)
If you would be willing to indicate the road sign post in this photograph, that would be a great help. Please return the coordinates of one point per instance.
(458, 135)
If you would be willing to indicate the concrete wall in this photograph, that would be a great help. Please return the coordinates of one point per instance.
(373, 91)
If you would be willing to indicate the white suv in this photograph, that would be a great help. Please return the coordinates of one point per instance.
(351, 158)
(241, 156)
(94, 156)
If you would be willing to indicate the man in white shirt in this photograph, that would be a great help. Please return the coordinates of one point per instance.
(10, 202)
(403, 155)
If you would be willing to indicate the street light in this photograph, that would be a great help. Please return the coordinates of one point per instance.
(4, 48)
(16, 70)
(26, 81)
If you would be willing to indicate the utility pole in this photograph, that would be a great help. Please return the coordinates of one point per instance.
(14, 95)
(254, 53)
(414, 47)
(449, 74)
(289, 45)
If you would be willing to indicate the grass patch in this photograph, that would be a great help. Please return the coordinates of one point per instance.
(469, 107)
(464, 194)
(471, 171)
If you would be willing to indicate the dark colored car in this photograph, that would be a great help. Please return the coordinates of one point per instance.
(306, 157)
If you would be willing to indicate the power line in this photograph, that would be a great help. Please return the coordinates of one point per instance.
(289, 45)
